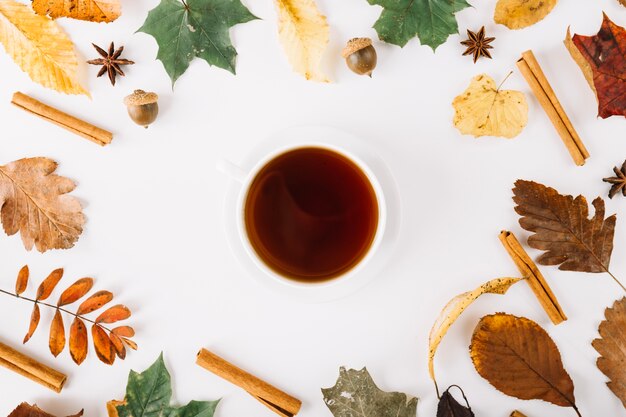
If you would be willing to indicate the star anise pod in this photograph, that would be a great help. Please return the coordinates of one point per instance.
(110, 61)
(477, 44)
(618, 181)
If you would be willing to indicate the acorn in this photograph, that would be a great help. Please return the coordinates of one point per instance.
(142, 107)
(360, 56)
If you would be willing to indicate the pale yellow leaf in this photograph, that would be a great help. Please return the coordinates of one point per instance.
(304, 34)
(39, 47)
(518, 14)
(455, 308)
(485, 110)
(90, 10)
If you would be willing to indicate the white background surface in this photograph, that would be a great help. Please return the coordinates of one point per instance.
(155, 234)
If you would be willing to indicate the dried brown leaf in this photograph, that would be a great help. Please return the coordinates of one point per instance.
(75, 291)
(520, 359)
(57, 334)
(102, 344)
(612, 348)
(34, 322)
(22, 280)
(116, 313)
(130, 343)
(124, 331)
(48, 284)
(89, 10)
(34, 202)
(118, 344)
(27, 410)
(94, 302)
(79, 345)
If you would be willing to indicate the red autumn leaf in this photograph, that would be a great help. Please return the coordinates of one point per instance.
(34, 322)
(22, 280)
(94, 302)
(75, 291)
(124, 331)
(602, 59)
(120, 349)
(113, 314)
(57, 334)
(102, 344)
(78, 341)
(48, 284)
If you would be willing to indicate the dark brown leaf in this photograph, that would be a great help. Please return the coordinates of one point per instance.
(57, 334)
(75, 291)
(450, 407)
(79, 345)
(562, 228)
(124, 331)
(94, 302)
(114, 314)
(34, 322)
(22, 280)
(102, 344)
(48, 284)
(120, 349)
(520, 359)
(612, 348)
(27, 410)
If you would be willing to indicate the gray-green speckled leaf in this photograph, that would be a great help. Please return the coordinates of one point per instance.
(148, 394)
(356, 395)
(432, 21)
(195, 28)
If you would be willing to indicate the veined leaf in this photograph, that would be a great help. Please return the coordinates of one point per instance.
(518, 14)
(22, 280)
(114, 314)
(75, 291)
(48, 284)
(94, 302)
(90, 10)
(79, 345)
(102, 344)
(34, 322)
(57, 334)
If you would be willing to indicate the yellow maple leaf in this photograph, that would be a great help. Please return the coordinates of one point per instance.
(485, 110)
(518, 14)
(304, 34)
(90, 10)
(40, 48)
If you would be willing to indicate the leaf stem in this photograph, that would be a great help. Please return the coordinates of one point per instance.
(577, 412)
(616, 280)
(55, 307)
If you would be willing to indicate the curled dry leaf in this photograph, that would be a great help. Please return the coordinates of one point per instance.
(455, 308)
(75, 291)
(612, 348)
(39, 47)
(485, 110)
(57, 334)
(27, 410)
(602, 59)
(34, 202)
(520, 359)
(90, 10)
(22, 280)
(449, 407)
(94, 302)
(102, 344)
(114, 314)
(304, 34)
(518, 14)
(79, 345)
(49, 284)
(34, 322)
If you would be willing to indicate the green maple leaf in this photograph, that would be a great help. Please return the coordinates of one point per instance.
(355, 394)
(432, 21)
(148, 394)
(185, 29)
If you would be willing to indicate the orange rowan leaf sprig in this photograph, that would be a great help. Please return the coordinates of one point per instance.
(108, 343)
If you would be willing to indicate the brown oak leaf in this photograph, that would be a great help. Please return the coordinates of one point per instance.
(34, 202)
(90, 10)
(612, 348)
(520, 359)
(27, 410)
(603, 62)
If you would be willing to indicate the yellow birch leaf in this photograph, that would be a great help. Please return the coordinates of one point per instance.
(40, 48)
(518, 14)
(90, 10)
(455, 308)
(304, 34)
(485, 110)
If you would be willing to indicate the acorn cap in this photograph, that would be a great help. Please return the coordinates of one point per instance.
(140, 98)
(354, 45)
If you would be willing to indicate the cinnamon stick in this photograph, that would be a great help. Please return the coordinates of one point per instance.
(276, 400)
(59, 118)
(533, 276)
(31, 369)
(536, 79)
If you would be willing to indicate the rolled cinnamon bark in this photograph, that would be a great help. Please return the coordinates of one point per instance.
(31, 369)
